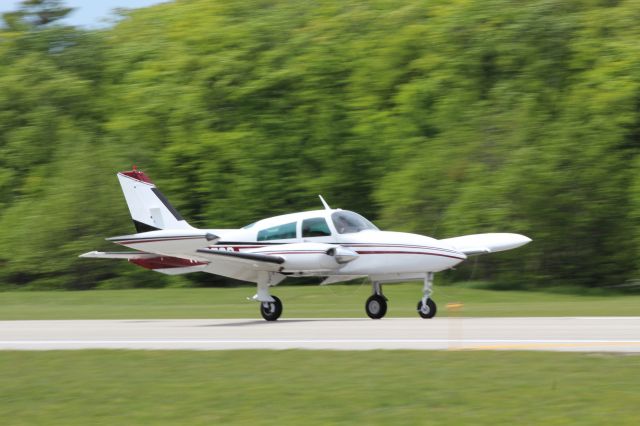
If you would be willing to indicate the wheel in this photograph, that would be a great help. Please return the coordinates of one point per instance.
(376, 306)
(271, 311)
(429, 311)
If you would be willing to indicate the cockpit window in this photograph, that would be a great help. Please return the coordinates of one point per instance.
(316, 227)
(280, 232)
(347, 222)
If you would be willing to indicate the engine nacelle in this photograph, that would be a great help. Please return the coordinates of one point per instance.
(310, 256)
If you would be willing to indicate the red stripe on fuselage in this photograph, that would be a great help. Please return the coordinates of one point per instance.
(358, 245)
(407, 252)
(292, 252)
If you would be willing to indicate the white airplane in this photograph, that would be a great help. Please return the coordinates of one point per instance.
(337, 244)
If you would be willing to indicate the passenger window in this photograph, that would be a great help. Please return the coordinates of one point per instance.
(279, 232)
(316, 227)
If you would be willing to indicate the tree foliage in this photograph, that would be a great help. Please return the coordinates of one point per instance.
(438, 117)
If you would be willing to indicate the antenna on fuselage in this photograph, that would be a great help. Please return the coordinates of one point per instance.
(324, 203)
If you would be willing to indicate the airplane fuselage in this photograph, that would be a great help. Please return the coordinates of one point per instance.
(382, 254)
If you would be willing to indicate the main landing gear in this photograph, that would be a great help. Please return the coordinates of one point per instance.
(270, 306)
(376, 304)
(271, 311)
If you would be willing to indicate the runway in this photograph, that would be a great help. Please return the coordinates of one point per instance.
(588, 334)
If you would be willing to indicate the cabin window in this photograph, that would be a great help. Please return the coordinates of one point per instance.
(280, 232)
(316, 227)
(347, 222)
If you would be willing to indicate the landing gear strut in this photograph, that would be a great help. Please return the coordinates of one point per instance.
(426, 306)
(376, 305)
(270, 306)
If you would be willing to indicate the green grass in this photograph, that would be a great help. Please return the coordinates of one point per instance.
(317, 388)
(301, 301)
(312, 387)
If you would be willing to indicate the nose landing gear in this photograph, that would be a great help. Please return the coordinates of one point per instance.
(427, 310)
(426, 306)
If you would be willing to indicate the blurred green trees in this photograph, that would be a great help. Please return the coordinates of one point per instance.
(442, 118)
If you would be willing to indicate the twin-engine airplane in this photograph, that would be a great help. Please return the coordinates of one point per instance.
(336, 244)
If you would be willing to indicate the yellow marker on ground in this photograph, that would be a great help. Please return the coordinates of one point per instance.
(455, 331)
(455, 306)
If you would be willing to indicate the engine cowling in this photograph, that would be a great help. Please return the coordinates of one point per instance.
(310, 256)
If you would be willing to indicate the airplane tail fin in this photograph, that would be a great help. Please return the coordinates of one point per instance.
(149, 208)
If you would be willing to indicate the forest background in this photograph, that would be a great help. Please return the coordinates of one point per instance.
(438, 117)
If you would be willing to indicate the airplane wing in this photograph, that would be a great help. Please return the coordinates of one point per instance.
(256, 261)
(301, 259)
(486, 243)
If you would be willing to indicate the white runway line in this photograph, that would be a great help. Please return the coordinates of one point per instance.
(590, 334)
(225, 341)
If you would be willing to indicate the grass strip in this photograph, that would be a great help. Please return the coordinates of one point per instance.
(317, 388)
(301, 302)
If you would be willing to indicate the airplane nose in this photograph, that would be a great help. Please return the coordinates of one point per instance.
(516, 240)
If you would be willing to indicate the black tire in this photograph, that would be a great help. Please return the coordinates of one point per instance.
(271, 311)
(376, 306)
(432, 309)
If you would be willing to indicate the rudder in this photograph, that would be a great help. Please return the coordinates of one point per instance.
(150, 210)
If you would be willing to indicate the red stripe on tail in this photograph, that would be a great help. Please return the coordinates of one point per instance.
(138, 175)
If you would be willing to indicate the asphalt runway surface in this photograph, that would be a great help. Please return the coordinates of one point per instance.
(586, 334)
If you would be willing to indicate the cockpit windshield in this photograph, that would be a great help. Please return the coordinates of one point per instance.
(347, 222)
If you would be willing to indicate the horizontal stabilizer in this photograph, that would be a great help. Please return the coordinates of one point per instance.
(118, 255)
(163, 264)
(486, 243)
(168, 235)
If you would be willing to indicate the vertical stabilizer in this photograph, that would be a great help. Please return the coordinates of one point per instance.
(149, 208)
